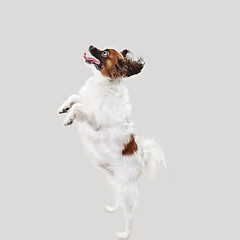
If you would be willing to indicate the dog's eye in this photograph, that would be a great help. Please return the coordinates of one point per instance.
(104, 53)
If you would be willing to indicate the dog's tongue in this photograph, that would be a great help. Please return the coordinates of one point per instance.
(94, 60)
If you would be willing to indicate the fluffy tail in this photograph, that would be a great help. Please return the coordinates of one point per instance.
(154, 157)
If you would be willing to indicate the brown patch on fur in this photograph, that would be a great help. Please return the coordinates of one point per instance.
(108, 66)
(131, 147)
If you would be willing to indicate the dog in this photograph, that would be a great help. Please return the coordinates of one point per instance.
(102, 111)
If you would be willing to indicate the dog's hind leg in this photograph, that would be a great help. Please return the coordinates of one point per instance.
(115, 188)
(129, 196)
(69, 103)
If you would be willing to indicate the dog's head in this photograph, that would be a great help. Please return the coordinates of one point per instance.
(113, 64)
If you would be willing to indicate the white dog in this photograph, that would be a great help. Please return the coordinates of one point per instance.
(103, 111)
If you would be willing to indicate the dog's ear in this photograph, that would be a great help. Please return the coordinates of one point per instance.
(134, 67)
(120, 69)
(127, 67)
(125, 52)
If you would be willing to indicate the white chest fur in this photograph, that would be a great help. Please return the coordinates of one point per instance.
(108, 103)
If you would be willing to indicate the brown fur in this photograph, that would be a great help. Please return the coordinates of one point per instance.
(108, 66)
(116, 65)
(131, 147)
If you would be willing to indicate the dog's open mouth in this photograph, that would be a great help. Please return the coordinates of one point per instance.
(91, 60)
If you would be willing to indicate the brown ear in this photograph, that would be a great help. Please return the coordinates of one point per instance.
(125, 52)
(134, 67)
(120, 69)
(127, 67)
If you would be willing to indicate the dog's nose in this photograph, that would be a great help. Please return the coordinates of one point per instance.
(91, 47)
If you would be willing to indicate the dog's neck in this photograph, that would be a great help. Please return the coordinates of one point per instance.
(98, 77)
(104, 86)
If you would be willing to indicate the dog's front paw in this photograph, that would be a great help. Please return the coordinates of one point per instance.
(64, 108)
(68, 121)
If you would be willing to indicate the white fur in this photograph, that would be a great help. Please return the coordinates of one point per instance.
(102, 110)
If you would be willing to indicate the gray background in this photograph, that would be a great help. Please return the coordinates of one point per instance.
(188, 94)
